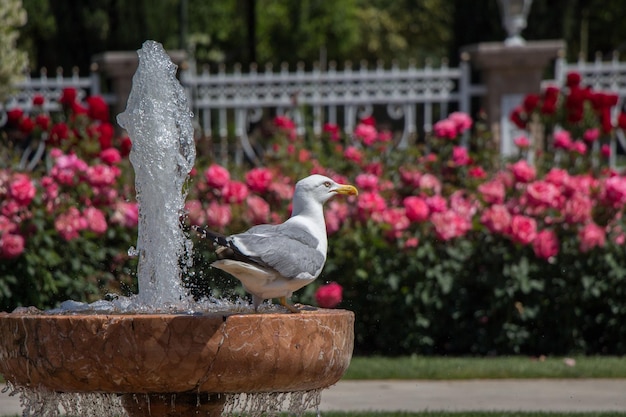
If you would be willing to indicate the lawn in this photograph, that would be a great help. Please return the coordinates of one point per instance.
(465, 414)
(440, 368)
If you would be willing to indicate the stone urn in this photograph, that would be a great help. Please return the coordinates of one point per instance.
(176, 364)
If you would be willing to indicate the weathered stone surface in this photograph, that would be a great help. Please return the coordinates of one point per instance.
(177, 353)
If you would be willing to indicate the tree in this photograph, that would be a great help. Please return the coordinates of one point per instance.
(12, 60)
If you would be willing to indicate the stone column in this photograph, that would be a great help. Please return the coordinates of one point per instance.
(118, 68)
(509, 73)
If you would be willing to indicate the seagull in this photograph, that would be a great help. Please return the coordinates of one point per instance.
(273, 261)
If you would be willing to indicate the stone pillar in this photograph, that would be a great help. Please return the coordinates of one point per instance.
(118, 68)
(509, 73)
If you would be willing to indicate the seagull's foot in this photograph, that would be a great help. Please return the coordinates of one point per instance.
(305, 307)
(283, 302)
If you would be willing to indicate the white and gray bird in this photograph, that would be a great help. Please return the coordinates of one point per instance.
(273, 261)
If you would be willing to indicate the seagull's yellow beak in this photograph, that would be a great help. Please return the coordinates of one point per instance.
(346, 190)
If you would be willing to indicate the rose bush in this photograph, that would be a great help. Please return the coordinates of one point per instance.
(446, 249)
(66, 225)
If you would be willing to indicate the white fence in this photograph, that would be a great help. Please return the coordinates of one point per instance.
(227, 105)
(416, 97)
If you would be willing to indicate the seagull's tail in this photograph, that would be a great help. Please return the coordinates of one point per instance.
(216, 238)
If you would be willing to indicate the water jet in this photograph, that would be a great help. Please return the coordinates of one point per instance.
(160, 355)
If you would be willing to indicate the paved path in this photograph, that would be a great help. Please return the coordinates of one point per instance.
(511, 395)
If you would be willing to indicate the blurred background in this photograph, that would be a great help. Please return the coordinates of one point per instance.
(67, 33)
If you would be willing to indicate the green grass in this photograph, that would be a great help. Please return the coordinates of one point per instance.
(468, 414)
(440, 368)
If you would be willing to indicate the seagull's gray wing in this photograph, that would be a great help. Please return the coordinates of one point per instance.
(290, 250)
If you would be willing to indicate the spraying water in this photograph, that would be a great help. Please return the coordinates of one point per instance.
(158, 120)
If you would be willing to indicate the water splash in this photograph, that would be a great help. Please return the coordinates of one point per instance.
(43, 403)
(158, 121)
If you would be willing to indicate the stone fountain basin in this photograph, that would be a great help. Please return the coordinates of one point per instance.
(173, 353)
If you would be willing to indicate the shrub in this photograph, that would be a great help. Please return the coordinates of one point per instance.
(446, 250)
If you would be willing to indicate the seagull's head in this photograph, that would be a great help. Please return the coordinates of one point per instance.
(321, 188)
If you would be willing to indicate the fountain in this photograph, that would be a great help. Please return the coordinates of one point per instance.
(156, 353)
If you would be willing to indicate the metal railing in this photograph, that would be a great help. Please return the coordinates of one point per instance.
(415, 97)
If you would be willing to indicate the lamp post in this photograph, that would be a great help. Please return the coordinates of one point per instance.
(514, 14)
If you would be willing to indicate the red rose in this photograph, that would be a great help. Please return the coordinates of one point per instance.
(42, 121)
(27, 125)
(38, 100)
(14, 116)
(530, 103)
(573, 79)
(98, 108)
(329, 295)
(68, 96)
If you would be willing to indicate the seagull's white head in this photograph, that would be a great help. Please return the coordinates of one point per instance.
(318, 188)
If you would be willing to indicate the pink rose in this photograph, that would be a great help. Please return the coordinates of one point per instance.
(367, 182)
(69, 224)
(562, 140)
(449, 225)
(558, 177)
(259, 179)
(110, 156)
(409, 177)
(591, 235)
(445, 129)
(577, 209)
(523, 229)
(462, 121)
(398, 221)
(370, 204)
(96, 222)
(235, 192)
(579, 147)
(591, 135)
(497, 219)
(195, 212)
(353, 154)
(437, 204)
(463, 205)
(102, 175)
(336, 213)
(126, 214)
(329, 295)
(460, 156)
(411, 243)
(366, 133)
(22, 189)
(543, 194)
(522, 142)
(522, 171)
(614, 192)
(217, 176)
(11, 245)
(218, 215)
(258, 210)
(492, 192)
(546, 244)
(430, 184)
(416, 209)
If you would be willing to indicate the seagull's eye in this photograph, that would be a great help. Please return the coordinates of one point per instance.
(327, 184)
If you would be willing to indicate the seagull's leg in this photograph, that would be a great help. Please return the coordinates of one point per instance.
(283, 302)
(256, 302)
